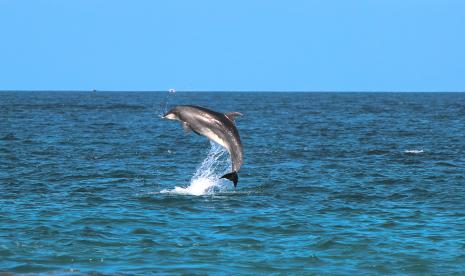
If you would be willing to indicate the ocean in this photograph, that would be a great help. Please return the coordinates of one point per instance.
(332, 183)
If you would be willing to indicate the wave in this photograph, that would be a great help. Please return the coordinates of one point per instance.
(63, 106)
(9, 137)
(413, 151)
(206, 180)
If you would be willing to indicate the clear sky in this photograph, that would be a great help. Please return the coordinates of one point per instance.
(316, 45)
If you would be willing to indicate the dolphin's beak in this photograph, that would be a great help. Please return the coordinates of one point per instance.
(169, 116)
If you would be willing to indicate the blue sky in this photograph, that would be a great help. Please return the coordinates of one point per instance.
(375, 45)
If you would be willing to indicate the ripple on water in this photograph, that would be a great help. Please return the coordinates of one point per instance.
(98, 184)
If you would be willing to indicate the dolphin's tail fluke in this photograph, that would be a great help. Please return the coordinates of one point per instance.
(232, 176)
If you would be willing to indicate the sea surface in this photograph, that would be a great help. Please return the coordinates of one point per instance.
(332, 183)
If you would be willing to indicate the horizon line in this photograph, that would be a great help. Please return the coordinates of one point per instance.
(230, 91)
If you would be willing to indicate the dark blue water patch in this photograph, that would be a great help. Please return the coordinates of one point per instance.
(335, 183)
(9, 137)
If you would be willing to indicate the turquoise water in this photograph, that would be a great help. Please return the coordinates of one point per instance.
(332, 183)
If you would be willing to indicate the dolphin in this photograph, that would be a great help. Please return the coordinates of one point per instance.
(218, 127)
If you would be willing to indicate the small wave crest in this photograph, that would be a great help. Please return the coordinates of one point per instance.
(206, 179)
(413, 151)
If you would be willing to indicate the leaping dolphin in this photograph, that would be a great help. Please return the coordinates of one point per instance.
(218, 127)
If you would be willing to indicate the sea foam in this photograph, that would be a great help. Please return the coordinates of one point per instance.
(413, 151)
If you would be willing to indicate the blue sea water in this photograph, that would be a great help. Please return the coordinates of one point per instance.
(332, 183)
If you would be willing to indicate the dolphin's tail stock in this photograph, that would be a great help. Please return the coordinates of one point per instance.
(232, 176)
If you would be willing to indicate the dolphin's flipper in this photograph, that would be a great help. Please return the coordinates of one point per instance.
(232, 176)
(231, 115)
(188, 128)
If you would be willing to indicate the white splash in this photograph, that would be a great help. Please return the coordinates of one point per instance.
(163, 108)
(413, 151)
(206, 179)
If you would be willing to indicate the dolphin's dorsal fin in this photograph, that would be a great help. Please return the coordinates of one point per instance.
(231, 115)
